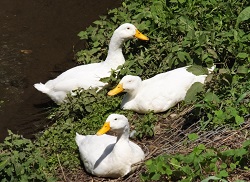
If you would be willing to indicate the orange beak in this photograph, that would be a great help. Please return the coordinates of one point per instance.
(105, 128)
(139, 35)
(118, 89)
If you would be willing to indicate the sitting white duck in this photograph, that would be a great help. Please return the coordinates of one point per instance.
(158, 93)
(109, 156)
(88, 76)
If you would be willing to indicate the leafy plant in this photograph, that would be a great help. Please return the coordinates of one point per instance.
(181, 32)
(224, 100)
(197, 164)
(84, 113)
(22, 160)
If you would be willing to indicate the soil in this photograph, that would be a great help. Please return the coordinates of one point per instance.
(38, 42)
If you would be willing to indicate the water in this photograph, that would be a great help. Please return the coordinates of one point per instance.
(38, 40)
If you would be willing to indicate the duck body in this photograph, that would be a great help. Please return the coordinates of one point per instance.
(84, 76)
(88, 76)
(95, 151)
(109, 156)
(158, 93)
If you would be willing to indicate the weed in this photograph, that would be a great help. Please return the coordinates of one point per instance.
(197, 164)
(22, 160)
(181, 32)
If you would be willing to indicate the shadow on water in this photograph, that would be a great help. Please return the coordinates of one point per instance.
(37, 40)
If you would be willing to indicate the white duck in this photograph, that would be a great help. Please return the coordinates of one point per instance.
(158, 93)
(109, 156)
(86, 76)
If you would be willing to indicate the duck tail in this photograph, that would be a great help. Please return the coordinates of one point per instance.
(210, 70)
(42, 88)
(79, 139)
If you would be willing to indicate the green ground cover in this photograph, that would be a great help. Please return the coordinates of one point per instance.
(181, 32)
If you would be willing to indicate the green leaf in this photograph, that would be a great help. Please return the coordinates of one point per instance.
(223, 173)
(246, 143)
(240, 152)
(192, 92)
(211, 97)
(213, 178)
(223, 166)
(242, 69)
(156, 176)
(4, 163)
(149, 162)
(83, 35)
(187, 169)
(239, 120)
(193, 136)
(213, 53)
(182, 1)
(219, 114)
(197, 70)
(244, 15)
(233, 166)
(175, 163)
(229, 152)
(242, 55)
(243, 96)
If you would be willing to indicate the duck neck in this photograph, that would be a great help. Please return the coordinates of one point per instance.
(132, 93)
(115, 56)
(123, 136)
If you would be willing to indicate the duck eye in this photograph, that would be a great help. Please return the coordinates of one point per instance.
(115, 118)
(128, 28)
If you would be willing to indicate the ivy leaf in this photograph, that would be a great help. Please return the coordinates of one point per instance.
(244, 15)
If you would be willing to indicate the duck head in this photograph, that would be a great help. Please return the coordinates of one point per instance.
(129, 31)
(127, 84)
(115, 122)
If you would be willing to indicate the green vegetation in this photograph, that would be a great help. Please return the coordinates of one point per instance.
(181, 32)
(196, 165)
(21, 160)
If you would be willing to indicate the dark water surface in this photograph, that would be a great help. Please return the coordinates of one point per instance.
(37, 40)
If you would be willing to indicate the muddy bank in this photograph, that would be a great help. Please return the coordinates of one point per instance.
(37, 44)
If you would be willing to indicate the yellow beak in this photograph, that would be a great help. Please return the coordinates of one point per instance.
(139, 35)
(105, 128)
(118, 89)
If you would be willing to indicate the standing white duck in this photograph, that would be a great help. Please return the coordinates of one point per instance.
(158, 93)
(109, 156)
(86, 76)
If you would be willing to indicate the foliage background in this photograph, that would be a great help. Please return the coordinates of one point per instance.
(181, 32)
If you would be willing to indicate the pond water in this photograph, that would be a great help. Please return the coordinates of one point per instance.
(38, 40)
